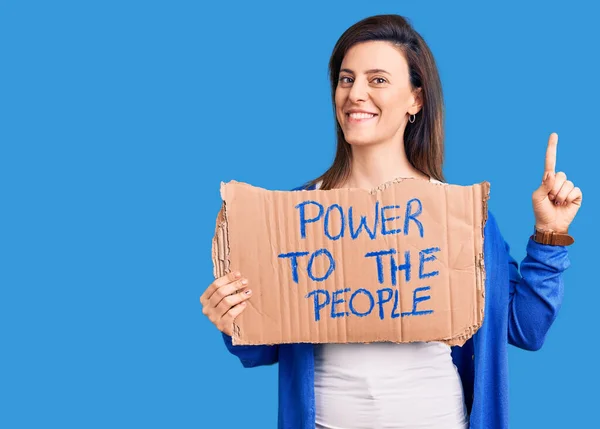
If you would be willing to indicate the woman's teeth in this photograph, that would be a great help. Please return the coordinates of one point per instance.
(361, 115)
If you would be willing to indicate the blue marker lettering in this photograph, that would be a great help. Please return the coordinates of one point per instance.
(342, 222)
(381, 300)
(363, 223)
(294, 260)
(319, 305)
(303, 220)
(371, 302)
(378, 255)
(413, 216)
(335, 301)
(329, 270)
(384, 219)
(416, 300)
(405, 266)
(395, 313)
(423, 259)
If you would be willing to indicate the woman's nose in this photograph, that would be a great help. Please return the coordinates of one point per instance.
(359, 91)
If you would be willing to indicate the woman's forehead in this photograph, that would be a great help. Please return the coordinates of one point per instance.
(373, 56)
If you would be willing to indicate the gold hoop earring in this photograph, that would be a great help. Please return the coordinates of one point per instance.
(414, 119)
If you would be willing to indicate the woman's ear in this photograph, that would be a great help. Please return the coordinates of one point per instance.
(417, 101)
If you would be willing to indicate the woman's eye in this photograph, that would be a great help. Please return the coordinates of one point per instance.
(347, 79)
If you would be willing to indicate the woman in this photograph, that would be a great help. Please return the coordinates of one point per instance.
(389, 113)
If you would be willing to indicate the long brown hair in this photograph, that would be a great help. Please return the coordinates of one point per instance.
(423, 139)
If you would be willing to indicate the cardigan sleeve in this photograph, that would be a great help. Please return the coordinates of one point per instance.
(252, 356)
(536, 293)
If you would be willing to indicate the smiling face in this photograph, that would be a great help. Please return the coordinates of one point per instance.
(373, 97)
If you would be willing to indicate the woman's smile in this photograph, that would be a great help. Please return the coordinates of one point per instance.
(360, 118)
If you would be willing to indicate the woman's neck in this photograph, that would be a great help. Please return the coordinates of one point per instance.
(373, 165)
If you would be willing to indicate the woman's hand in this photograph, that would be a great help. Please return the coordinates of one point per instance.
(557, 200)
(224, 300)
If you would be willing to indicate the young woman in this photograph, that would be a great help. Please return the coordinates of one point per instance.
(389, 112)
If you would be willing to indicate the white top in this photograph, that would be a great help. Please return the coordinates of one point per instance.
(387, 385)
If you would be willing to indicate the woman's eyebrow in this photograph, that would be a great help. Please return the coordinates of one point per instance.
(368, 71)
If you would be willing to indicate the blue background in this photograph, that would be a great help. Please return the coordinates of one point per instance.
(118, 120)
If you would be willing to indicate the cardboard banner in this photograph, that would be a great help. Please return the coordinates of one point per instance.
(401, 263)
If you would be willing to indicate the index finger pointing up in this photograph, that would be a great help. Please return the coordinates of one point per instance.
(551, 153)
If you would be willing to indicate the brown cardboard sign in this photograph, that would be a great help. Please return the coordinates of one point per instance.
(401, 263)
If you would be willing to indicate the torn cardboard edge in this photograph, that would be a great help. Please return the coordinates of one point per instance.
(221, 254)
(220, 245)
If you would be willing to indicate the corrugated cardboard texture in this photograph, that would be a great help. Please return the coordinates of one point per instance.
(415, 274)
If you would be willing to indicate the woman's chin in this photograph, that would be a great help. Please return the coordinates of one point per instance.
(360, 141)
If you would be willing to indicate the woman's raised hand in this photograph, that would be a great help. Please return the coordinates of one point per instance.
(557, 200)
(224, 300)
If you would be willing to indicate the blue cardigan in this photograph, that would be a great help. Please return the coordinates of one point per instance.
(520, 307)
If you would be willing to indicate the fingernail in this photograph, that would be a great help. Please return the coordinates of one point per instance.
(248, 292)
(243, 303)
(237, 274)
(244, 281)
